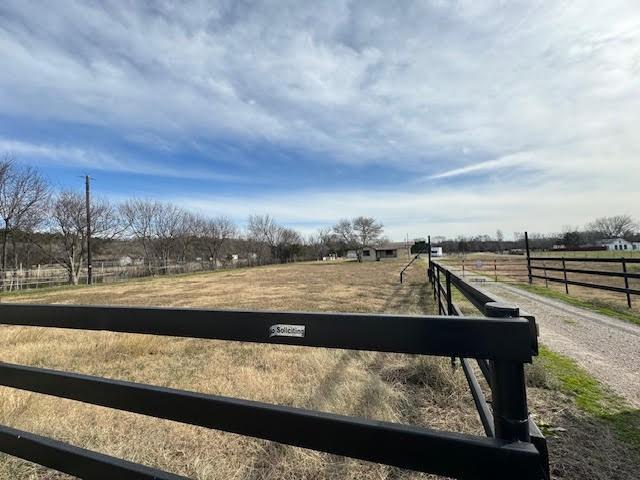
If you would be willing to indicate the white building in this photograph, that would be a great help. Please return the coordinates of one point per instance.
(125, 261)
(436, 251)
(619, 244)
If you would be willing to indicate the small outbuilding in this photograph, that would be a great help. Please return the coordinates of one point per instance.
(385, 251)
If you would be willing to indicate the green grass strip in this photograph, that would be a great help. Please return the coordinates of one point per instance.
(621, 313)
(594, 398)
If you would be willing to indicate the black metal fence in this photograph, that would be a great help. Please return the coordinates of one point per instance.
(513, 447)
(417, 256)
(508, 416)
(538, 267)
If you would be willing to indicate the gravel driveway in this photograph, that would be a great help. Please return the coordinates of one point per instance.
(606, 347)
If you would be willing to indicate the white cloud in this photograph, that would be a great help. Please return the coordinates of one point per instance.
(361, 81)
(538, 98)
(515, 160)
(440, 211)
(95, 159)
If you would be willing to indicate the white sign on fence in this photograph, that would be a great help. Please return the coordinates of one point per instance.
(281, 330)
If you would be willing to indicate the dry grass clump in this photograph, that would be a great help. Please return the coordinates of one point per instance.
(538, 376)
(398, 388)
(580, 446)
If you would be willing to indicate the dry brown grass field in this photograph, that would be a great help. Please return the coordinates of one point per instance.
(399, 388)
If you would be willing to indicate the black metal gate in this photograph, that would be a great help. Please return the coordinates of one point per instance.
(513, 449)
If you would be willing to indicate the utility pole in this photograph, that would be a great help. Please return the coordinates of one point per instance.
(88, 205)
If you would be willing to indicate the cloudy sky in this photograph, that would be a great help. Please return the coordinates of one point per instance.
(437, 117)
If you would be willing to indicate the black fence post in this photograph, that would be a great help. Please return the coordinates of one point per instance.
(439, 289)
(564, 273)
(626, 281)
(509, 393)
(526, 246)
(448, 286)
(447, 276)
(546, 281)
(429, 269)
(495, 269)
(433, 273)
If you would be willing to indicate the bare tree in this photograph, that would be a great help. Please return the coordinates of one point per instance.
(164, 230)
(367, 230)
(262, 229)
(5, 165)
(322, 242)
(344, 231)
(69, 224)
(359, 232)
(499, 239)
(140, 216)
(288, 243)
(186, 232)
(214, 234)
(283, 243)
(613, 227)
(24, 195)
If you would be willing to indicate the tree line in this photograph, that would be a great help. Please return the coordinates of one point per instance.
(41, 225)
(589, 236)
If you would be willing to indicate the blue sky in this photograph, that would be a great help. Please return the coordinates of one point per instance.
(436, 117)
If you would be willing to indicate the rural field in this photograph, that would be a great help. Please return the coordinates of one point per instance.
(513, 269)
(400, 388)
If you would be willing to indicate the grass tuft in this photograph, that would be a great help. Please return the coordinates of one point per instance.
(538, 376)
(593, 398)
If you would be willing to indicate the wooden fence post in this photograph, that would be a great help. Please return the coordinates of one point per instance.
(546, 282)
(564, 272)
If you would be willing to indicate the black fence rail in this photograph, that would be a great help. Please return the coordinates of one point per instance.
(507, 417)
(538, 267)
(513, 447)
(419, 249)
(417, 256)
